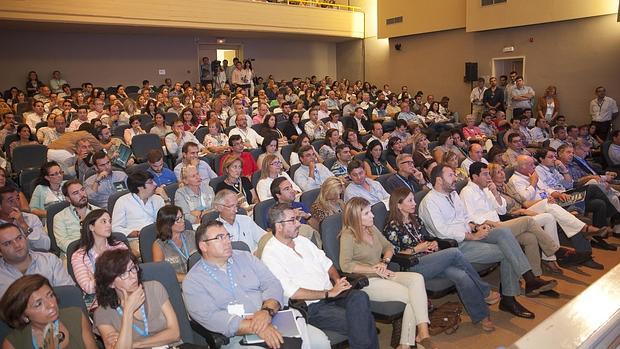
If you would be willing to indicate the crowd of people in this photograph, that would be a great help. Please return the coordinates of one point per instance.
(502, 185)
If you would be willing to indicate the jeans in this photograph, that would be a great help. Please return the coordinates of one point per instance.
(499, 246)
(349, 316)
(452, 265)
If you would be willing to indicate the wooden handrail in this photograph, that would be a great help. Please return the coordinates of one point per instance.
(321, 4)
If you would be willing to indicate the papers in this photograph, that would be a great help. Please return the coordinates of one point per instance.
(284, 321)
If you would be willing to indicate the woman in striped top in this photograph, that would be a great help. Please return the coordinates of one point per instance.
(95, 238)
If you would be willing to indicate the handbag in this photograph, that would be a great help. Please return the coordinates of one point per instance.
(357, 281)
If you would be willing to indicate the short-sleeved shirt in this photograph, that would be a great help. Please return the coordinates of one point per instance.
(155, 296)
(172, 253)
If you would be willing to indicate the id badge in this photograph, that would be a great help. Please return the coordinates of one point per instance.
(236, 309)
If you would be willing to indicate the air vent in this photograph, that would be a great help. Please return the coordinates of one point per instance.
(394, 20)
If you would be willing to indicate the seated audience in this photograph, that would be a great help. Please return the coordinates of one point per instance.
(134, 130)
(329, 201)
(363, 249)
(105, 181)
(352, 139)
(18, 260)
(292, 129)
(216, 141)
(283, 192)
(421, 151)
(237, 151)
(332, 140)
(234, 181)
(208, 301)
(311, 174)
(30, 306)
(194, 197)
(24, 137)
(178, 138)
(270, 146)
(559, 137)
(95, 238)
(28, 223)
(536, 196)
(407, 176)
(23, 202)
(374, 164)
(302, 140)
(250, 139)
(132, 313)
(272, 169)
(363, 187)
(111, 145)
(445, 216)
(239, 226)
(159, 125)
(445, 145)
(471, 132)
(67, 223)
(379, 135)
(515, 149)
(474, 153)
(310, 276)
(614, 148)
(190, 156)
(138, 208)
(48, 189)
(488, 127)
(343, 157)
(174, 243)
(540, 133)
(408, 234)
(162, 175)
(315, 128)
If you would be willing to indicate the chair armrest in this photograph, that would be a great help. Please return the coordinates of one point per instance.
(214, 340)
(405, 261)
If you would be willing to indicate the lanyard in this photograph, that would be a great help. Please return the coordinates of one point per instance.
(142, 332)
(56, 326)
(184, 251)
(406, 182)
(92, 260)
(231, 282)
(143, 206)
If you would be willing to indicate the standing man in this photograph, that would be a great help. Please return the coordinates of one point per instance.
(603, 111)
(476, 98)
(56, 82)
(493, 96)
(521, 97)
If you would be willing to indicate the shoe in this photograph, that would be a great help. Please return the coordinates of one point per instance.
(493, 298)
(592, 231)
(551, 267)
(550, 294)
(565, 252)
(593, 265)
(487, 325)
(427, 343)
(574, 259)
(515, 309)
(598, 242)
(533, 289)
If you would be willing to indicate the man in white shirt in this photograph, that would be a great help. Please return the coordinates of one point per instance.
(475, 153)
(559, 137)
(308, 275)
(311, 173)
(379, 135)
(98, 111)
(614, 148)
(445, 216)
(475, 97)
(138, 208)
(332, 101)
(484, 204)
(190, 157)
(315, 128)
(536, 196)
(323, 110)
(35, 116)
(361, 186)
(54, 131)
(250, 138)
(82, 117)
(239, 226)
(603, 110)
(176, 106)
(56, 82)
(349, 109)
(178, 138)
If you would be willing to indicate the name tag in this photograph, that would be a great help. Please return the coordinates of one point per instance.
(236, 309)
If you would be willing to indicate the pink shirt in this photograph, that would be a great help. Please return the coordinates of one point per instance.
(472, 132)
(84, 269)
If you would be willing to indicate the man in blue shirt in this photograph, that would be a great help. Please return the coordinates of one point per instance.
(161, 174)
(363, 187)
(235, 294)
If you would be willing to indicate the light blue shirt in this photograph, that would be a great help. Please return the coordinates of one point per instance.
(43, 263)
(208, 292)
(244, 229)
(303, 180)
(204, 170)
(38, 238)
(104, 189)
(374, 195)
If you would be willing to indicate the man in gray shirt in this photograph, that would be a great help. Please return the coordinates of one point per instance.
(521, 96)
(17, 260)
(233, 293)
(105, 182)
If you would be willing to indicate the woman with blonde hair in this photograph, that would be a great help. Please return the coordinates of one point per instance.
(451, 160)
(363, 249)
(194, 196)
(270, 170)
(329, 201)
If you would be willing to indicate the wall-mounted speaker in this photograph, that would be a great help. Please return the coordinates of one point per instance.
(398, 47)
(471, 71)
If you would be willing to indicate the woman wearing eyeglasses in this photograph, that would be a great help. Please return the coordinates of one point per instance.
(270, 170)
(95, 238)
(48, 188)
(131, 313)
(174, 243)
(271, 146)
(29, 306)
(194, 196)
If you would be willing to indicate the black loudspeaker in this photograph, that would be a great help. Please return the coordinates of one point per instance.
(471, 71)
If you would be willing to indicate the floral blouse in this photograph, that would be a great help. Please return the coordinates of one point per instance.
(405, 236)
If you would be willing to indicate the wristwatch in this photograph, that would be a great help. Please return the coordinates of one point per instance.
(386, 260)
(269, 310)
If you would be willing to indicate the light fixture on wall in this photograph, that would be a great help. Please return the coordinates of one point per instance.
(220, 40)
(398, 47)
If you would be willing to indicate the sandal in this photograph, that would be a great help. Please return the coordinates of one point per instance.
(487, 325)
(492, 298)
(427, 343)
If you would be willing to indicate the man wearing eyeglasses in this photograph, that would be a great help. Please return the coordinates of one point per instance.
(18, 260)
(28, 223)
(407, 176)
(239, 226)
(309, 276)
(233, 293)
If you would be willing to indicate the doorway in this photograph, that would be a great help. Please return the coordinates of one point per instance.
(226, 54)
(504, 65)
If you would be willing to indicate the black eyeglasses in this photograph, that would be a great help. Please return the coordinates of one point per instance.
(220, 237)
